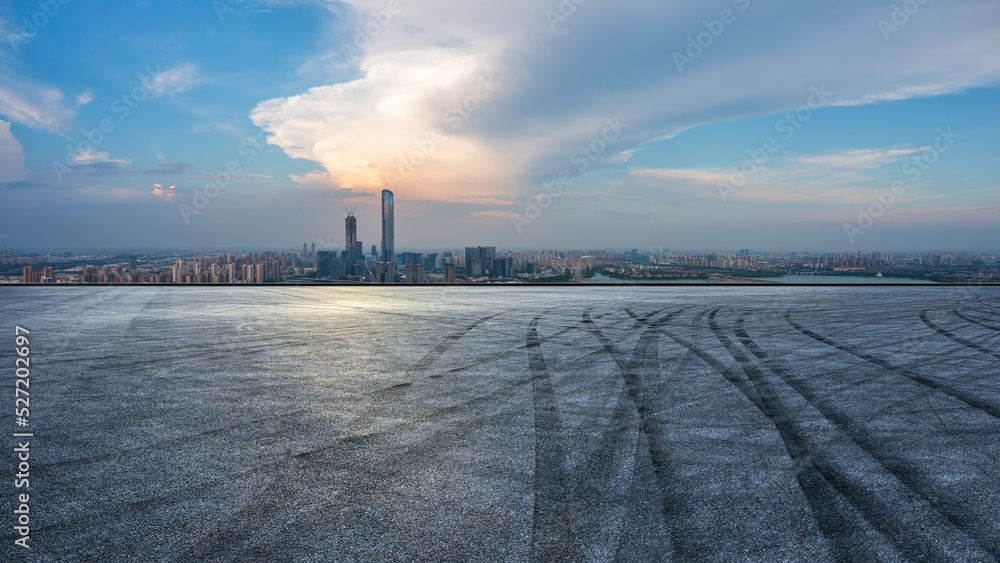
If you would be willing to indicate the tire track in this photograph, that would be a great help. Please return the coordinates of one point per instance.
(577, 520)
(955, 337)
(976, 321)
(604, 340)
(644, 361)
(886, 517)
(961, 396)
(819, 488)
(742, 384)
(445, 344)
(643, 319)
(553, 534)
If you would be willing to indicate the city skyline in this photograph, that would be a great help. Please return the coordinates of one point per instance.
(856, 126)
(485, 264)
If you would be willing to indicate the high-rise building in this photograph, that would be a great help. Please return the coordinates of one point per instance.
(374, 253)
(388, 237)
(312, 250)
(479, 261)
(382, 273)
(414, 273)
(449, 273)
(323, 264)
(351, 249)
(305, 249)
(27, 274)
(430, 262)
(388, 228)
(503, 267)
(338, 268)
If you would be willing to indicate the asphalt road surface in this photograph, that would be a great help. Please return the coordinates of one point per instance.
(506, 424)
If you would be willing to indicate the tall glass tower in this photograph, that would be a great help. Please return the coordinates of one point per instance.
(388, 237)
(351, 249)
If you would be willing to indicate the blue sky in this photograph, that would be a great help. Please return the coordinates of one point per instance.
(468, 111)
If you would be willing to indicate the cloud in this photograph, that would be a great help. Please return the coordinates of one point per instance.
(397, 123)
(164, 193)
(611, 59)
(846, 176)
(175, 80)
(859, 159)
(85, 97)
(90, 156)
(697, 174)
(32, 104)
(12, 158)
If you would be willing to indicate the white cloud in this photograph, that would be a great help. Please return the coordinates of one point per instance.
(85, 97)
(91, 156)
(859, 159)
(11, 156)
(363, 131)
(842, 177)
(175, 80)
(32, 104)
(614, 60)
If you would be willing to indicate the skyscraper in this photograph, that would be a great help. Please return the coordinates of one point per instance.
(351, 249)
(479, 261)
(323, 264)
(388, 235)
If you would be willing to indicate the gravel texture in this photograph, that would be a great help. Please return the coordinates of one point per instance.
(508, 424)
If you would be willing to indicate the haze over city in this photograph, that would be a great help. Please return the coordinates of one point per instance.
(520, 124)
